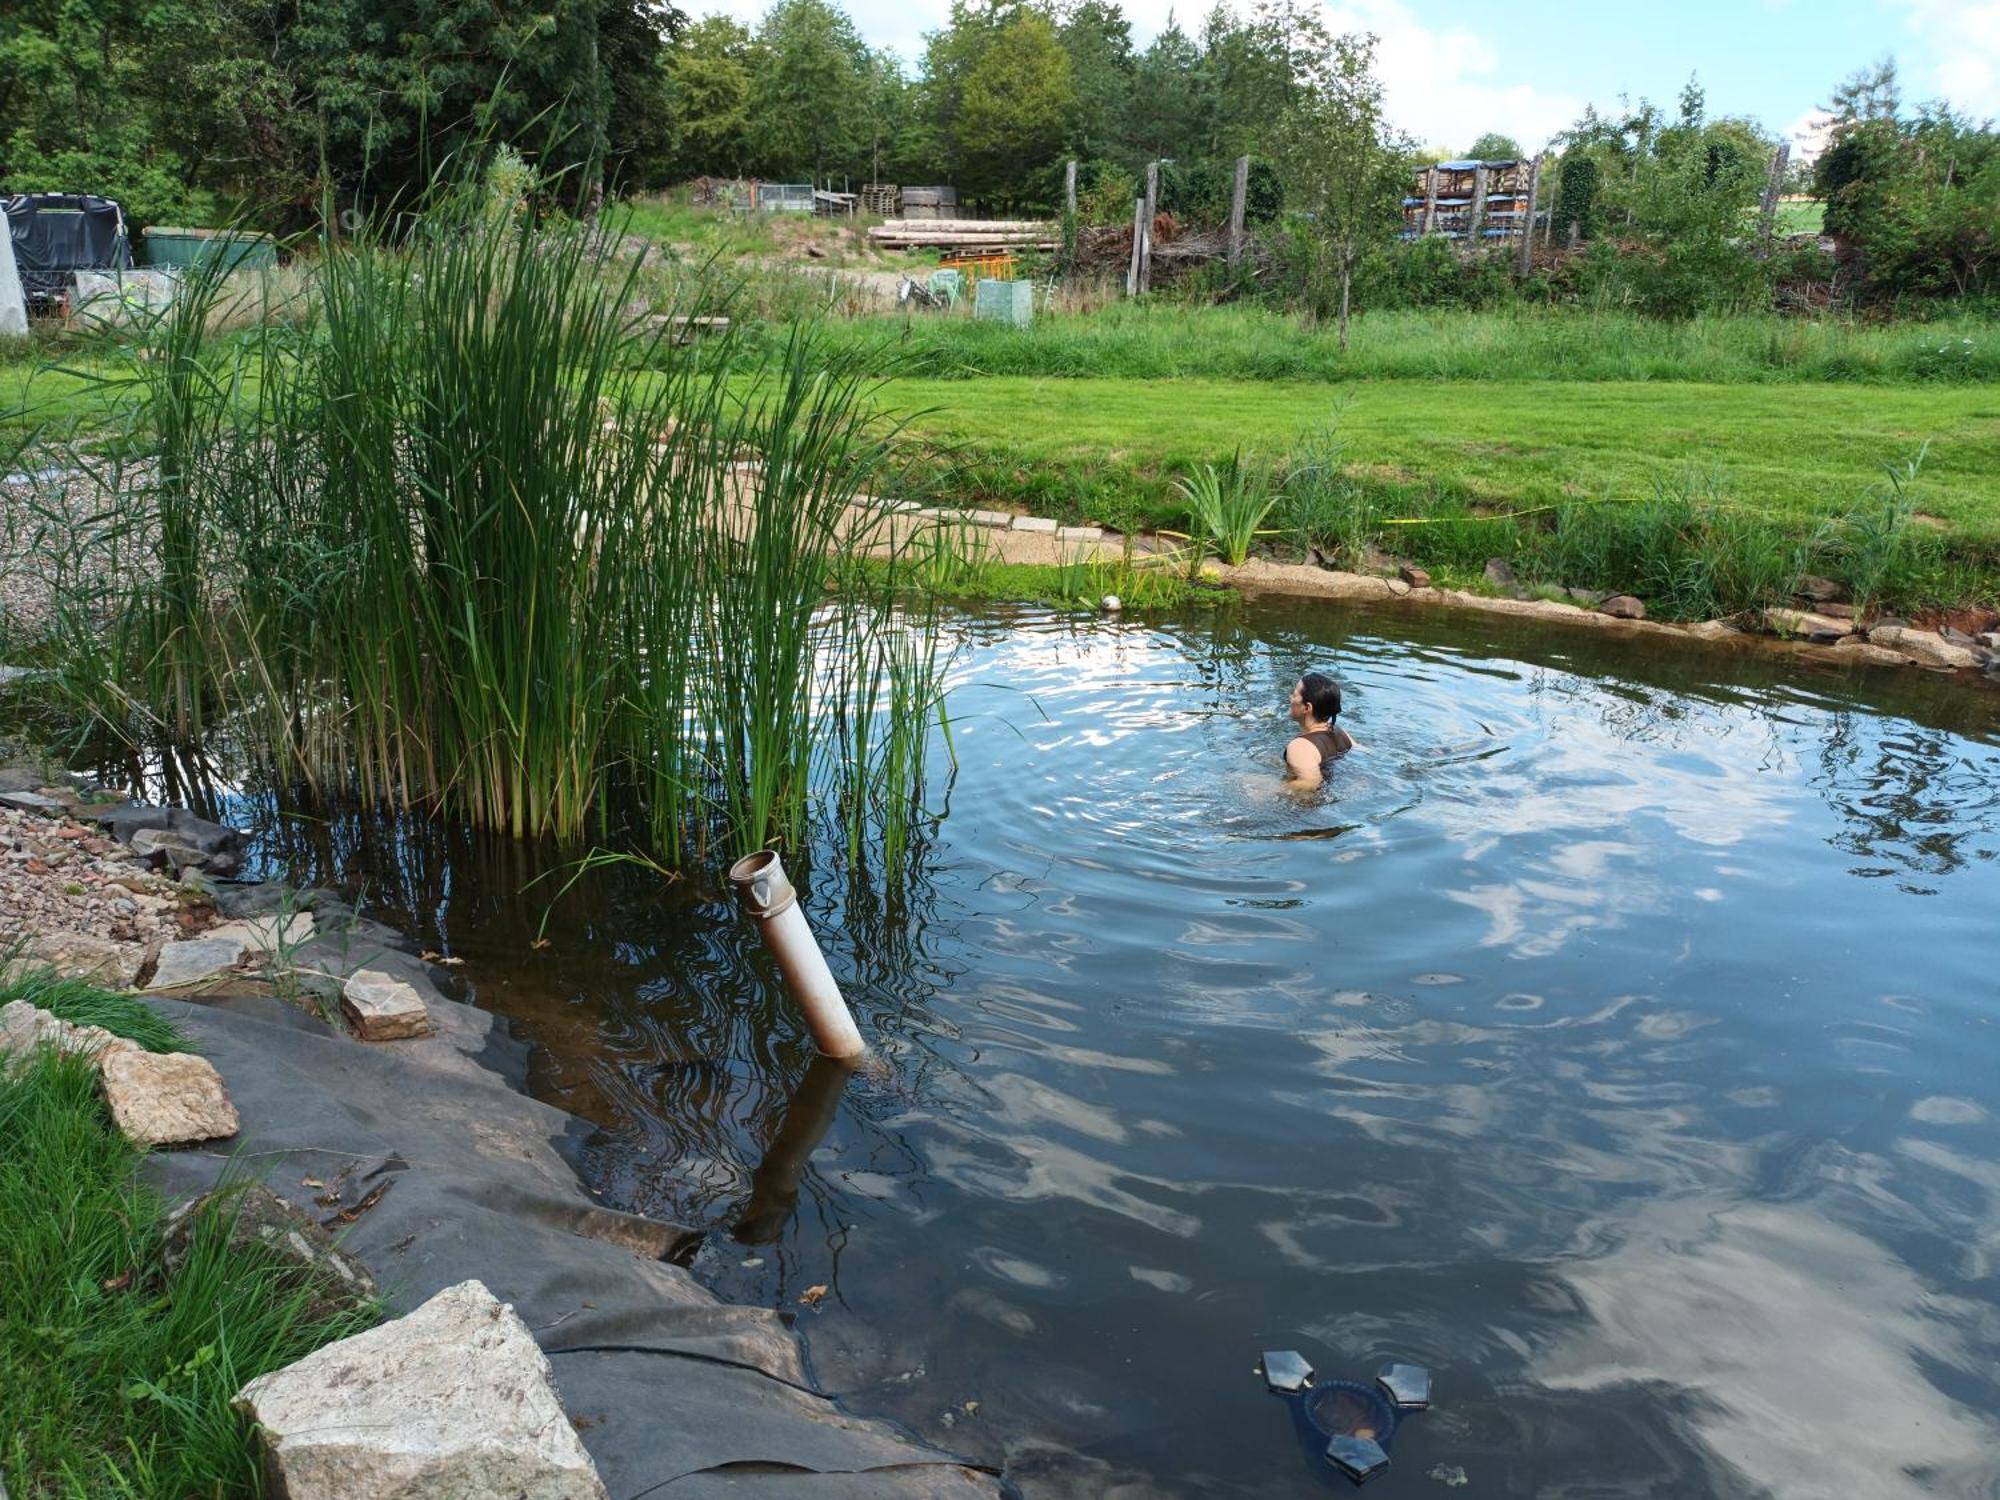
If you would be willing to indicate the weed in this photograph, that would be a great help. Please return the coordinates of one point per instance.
(1227, 506)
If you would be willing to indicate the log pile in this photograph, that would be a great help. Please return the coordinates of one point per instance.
(965, 234)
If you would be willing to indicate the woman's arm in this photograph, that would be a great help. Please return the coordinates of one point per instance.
(1302, 759)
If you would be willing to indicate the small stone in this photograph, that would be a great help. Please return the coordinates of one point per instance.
(454, 1399)
(1623, 607)
(164, 846)
(1820, 590)
(257, 1216)
(1990, 639)
(33, 802)
(273, 932)
(196, 961)
(1414, 576)
(1397, 587)
(382, 1008)
(1111, 604)
(1500, 573)
(1959, 637)
(166, 1098)
(1286, 1370)
(1034, 523)
(1926, 647)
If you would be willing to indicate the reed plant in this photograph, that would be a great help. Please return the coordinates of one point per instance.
(474, 539)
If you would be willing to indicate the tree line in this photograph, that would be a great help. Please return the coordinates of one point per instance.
(200, 109)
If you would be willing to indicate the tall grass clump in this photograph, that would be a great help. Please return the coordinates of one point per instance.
(1228, 505)
(476, 540)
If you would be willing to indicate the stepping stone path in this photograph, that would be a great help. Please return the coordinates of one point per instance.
(454, 1399)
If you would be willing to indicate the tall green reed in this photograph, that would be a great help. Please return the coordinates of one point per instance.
(472, 539)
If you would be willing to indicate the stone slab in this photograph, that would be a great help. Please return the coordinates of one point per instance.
(996, 518)
(166, 1098)
(1034, 523)
(1926, 647)
(1079, 533)
(197, 961)
(271, 932)
(382, 1008)
(454, 1400)
(33, 802)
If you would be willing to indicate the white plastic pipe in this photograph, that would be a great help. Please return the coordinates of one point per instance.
(760, 880)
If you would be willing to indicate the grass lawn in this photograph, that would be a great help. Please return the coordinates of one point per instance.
(1788, 450)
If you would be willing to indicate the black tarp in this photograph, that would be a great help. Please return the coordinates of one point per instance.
(453, 1174)
(58, 234)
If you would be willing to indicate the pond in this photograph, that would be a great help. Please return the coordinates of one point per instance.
(1616, 1036)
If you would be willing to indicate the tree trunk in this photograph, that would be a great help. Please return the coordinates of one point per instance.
(1346, 285)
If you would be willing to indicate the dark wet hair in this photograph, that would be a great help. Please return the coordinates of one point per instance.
(1322, 696)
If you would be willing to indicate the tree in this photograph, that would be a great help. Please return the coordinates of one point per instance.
(709, 75)
(1345, 168)
(1016, 103)
(1098, 39)
(809, 93)
(1870, 93)
(1493, 146)
(1170, 103)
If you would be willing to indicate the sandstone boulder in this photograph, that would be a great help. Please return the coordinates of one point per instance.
(1820, 590)
(1815, 627)
(254, 1215)
(1926, 647)
(83, 955)
(24, 1027)
(166, 1098)
(1856, 649)
(453, 1400)
(1623, 607)
(382, 1008)
(1500, 573)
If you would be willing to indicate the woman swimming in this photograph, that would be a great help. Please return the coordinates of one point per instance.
(1320, 741)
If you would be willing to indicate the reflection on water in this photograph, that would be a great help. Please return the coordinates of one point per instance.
(1616, 1041)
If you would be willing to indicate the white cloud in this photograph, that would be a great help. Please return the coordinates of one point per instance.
(1443, 84)
(1957, 53)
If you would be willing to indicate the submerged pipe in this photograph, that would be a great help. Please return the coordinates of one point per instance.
(760, 880)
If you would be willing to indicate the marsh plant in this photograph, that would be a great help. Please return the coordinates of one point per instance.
(1226, 506)
(475, 539)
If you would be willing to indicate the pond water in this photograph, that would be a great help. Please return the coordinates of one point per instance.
(1618, 1036)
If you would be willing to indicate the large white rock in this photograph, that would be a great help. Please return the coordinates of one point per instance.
(165, 1098)
(24, 1027)
(382, 1008)
(453, 1402)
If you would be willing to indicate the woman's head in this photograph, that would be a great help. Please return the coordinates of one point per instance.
(1317, 697)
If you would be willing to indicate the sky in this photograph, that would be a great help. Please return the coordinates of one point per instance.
(1453, 69)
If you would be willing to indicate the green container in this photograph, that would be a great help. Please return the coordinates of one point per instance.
(238, 248)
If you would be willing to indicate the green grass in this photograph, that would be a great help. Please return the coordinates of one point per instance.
(1157, 341)
(85, 1004)
(116, 1376)
(1109, 447)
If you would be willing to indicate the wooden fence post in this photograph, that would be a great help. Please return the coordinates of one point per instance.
(1475, 224)
(1151, 209)
(1774, 182)
(1138, 239)
(1528, 229)
(1430, 197)
(1237, 199)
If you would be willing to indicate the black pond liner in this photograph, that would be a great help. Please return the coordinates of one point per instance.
(1356, 1411)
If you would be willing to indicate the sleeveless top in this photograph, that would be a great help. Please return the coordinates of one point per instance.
(1331, 743)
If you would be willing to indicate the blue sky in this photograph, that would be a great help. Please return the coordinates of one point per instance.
(1453, 68)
